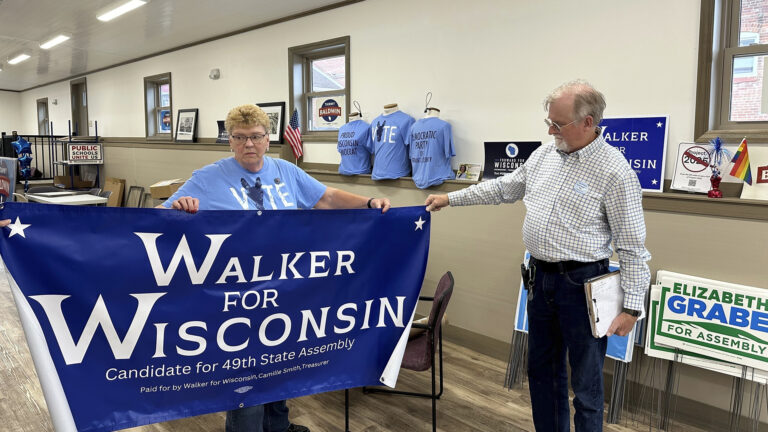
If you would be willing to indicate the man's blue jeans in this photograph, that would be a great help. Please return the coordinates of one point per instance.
(270, 417)
(558, 322)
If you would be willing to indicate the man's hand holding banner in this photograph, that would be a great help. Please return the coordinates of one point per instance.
(135, 316)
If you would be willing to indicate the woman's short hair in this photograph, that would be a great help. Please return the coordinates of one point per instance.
(246, 116)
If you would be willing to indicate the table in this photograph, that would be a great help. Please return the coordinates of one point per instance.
(58, 193)
(82, 199)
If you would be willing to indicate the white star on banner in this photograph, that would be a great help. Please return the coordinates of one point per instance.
(17, 228)
(654, 181)
(419, 224)
(659, 124)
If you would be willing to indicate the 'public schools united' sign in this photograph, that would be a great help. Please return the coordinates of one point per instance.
(721, 320)
(85, 153)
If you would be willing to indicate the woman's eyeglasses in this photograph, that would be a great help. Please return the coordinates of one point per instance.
(242, 139)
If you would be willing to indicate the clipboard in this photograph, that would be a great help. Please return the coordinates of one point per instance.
(605, 300)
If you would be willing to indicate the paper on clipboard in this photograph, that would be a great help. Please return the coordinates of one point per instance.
(605, 300)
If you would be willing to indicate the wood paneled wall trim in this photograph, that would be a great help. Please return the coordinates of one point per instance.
(701, 205)
(331, 175)
(208, 144)
(683, 203)
(477, 342)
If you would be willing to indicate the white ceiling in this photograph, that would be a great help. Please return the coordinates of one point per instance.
(158, 26)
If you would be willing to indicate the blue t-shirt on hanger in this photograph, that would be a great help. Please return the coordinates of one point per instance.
(226, 185)
(431, 150)
(354, 145)
(389, 133)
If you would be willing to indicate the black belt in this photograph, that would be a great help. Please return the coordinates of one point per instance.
(562, 266)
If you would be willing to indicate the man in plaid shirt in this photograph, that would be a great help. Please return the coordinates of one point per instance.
(580, 196)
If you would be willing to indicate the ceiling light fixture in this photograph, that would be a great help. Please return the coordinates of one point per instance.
(53, 42)
(116, 12)
(18, 59)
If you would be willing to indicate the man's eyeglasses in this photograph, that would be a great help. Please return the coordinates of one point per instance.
(242, 139)
(557, 127)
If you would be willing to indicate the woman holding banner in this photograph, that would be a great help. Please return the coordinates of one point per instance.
(250, 180)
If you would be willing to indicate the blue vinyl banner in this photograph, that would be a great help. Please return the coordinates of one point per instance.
(136, 316)
(643, 141)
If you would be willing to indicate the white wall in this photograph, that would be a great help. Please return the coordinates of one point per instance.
(10, 112)
(489, 64)
(58, 114)
(489, 67)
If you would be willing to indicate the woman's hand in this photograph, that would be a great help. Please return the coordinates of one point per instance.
(187, 204)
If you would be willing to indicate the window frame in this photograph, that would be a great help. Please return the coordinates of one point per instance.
(718, 46)
(300, 82)
(151, 109)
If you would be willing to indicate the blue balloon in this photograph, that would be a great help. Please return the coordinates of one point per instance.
(22, 146)
(24, 150)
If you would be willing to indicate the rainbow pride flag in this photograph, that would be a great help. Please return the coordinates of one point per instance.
(741, 163)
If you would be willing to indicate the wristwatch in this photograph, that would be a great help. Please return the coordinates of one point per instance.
(631, 312)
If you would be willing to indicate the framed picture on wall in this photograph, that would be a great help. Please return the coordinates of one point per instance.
(186, 125)
(276, 113)
(223, 136)
(468, 171)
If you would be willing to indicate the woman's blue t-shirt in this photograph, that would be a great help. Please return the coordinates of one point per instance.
(226, 185)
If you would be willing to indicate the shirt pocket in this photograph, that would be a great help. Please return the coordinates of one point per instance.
(580, 211)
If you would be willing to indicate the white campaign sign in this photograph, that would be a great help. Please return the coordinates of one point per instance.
(725, 321)
(692, 170)
(654, 349)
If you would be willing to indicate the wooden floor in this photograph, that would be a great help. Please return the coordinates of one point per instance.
(474, 399)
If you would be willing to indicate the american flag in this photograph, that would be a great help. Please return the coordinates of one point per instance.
(293, 134)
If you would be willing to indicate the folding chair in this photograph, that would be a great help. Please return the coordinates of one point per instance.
(421, 349)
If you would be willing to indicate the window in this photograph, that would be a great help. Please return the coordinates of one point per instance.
(78, 90)
(732, 99)
(746, 67)
(319, 87)
(157, 106)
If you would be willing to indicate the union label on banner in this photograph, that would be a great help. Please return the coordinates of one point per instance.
(724, 321)
(643, 141)
(136, 316)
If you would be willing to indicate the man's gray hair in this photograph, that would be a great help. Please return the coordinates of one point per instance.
(588, 101)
